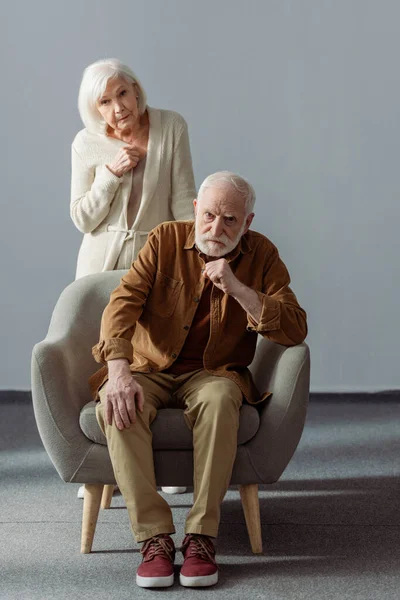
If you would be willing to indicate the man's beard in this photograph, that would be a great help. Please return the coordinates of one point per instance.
(205, 245)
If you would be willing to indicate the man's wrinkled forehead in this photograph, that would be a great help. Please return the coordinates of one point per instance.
(221, 197)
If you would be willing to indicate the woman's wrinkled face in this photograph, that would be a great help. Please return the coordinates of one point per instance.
(118, 105)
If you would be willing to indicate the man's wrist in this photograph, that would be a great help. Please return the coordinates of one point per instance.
(238, 290)
(249, 301)
(118, 366)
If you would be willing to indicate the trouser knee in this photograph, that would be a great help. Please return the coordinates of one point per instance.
(220, 401)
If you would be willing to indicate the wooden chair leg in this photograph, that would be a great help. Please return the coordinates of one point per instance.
(91, 507)
(107, 496)
(251, 509)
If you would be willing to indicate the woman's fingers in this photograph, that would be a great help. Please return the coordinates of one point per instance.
(134, 152)
(127, 158)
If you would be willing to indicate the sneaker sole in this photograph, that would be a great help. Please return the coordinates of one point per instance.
(150, 582)
(199, 581)
(173, 490)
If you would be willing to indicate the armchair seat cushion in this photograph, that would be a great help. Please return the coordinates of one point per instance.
(169, 428)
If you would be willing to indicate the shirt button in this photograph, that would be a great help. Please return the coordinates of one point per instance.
(174, 355)
(196, 299)
(186, 327)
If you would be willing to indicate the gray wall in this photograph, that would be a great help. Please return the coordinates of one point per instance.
(300, 96)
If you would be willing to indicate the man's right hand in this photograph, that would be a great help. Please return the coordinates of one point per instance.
(123, 395)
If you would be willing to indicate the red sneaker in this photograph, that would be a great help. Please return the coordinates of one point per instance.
(157, 567)
(199, 567)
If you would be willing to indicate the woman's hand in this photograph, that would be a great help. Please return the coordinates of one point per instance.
(126, 159)
(124, 395)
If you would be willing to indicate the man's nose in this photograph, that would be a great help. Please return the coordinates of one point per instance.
(217, 227)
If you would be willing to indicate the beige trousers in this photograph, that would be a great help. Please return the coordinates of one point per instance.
(211, 406)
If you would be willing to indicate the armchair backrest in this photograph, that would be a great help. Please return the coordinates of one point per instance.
(75, 324)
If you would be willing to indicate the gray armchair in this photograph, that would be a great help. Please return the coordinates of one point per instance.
(65, 415)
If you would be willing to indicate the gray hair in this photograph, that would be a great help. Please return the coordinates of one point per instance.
(240, 185)
(94, 82)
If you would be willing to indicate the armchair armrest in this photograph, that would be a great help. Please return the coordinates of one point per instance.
(286, 373)
(56, 409)
(60, 368)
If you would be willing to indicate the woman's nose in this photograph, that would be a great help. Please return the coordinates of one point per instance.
(118, 108)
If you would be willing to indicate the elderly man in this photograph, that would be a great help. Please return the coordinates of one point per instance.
(181, 330)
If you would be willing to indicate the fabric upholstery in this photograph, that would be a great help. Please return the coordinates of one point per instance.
(169, 429)
(62, 364)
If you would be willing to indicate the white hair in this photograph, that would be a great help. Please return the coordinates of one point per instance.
(94, 82)
(235, 181)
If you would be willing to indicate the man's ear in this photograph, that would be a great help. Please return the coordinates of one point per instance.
(249, 219)
(195, 206)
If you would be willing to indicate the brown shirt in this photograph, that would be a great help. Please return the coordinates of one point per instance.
(147, 318)
(191, 356)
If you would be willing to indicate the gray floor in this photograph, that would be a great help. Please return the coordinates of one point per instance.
(330, 527)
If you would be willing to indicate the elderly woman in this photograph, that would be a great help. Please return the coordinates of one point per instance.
(131, 170)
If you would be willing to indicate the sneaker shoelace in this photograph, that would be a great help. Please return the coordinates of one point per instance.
(201, 547)
(157, 546)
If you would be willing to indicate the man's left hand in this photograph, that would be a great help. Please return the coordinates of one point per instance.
(221, 275)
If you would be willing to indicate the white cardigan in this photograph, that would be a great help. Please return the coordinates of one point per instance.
(99, 199)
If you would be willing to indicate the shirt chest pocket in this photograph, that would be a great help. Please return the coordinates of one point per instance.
(164, 295)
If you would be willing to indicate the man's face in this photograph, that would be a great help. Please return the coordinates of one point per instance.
(220, 220)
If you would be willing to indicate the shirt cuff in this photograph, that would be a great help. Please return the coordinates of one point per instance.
(270, 319)
(111, 349)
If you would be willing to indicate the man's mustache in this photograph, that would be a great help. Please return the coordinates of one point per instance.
(210, 238)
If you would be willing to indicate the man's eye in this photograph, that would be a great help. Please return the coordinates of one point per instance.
(230, 219)
(123, 93)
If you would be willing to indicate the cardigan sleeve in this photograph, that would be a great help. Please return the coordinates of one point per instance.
(92, 192)
(182, 178)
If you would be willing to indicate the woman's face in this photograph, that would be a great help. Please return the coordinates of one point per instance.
(118, 105)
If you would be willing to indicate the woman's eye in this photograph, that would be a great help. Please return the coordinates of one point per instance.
(123, 93)
(103, 102)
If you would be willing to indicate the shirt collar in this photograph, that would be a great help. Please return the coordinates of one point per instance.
(243, 246)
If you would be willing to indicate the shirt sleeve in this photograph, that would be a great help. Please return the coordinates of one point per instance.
(282, 319)
(126, 305)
